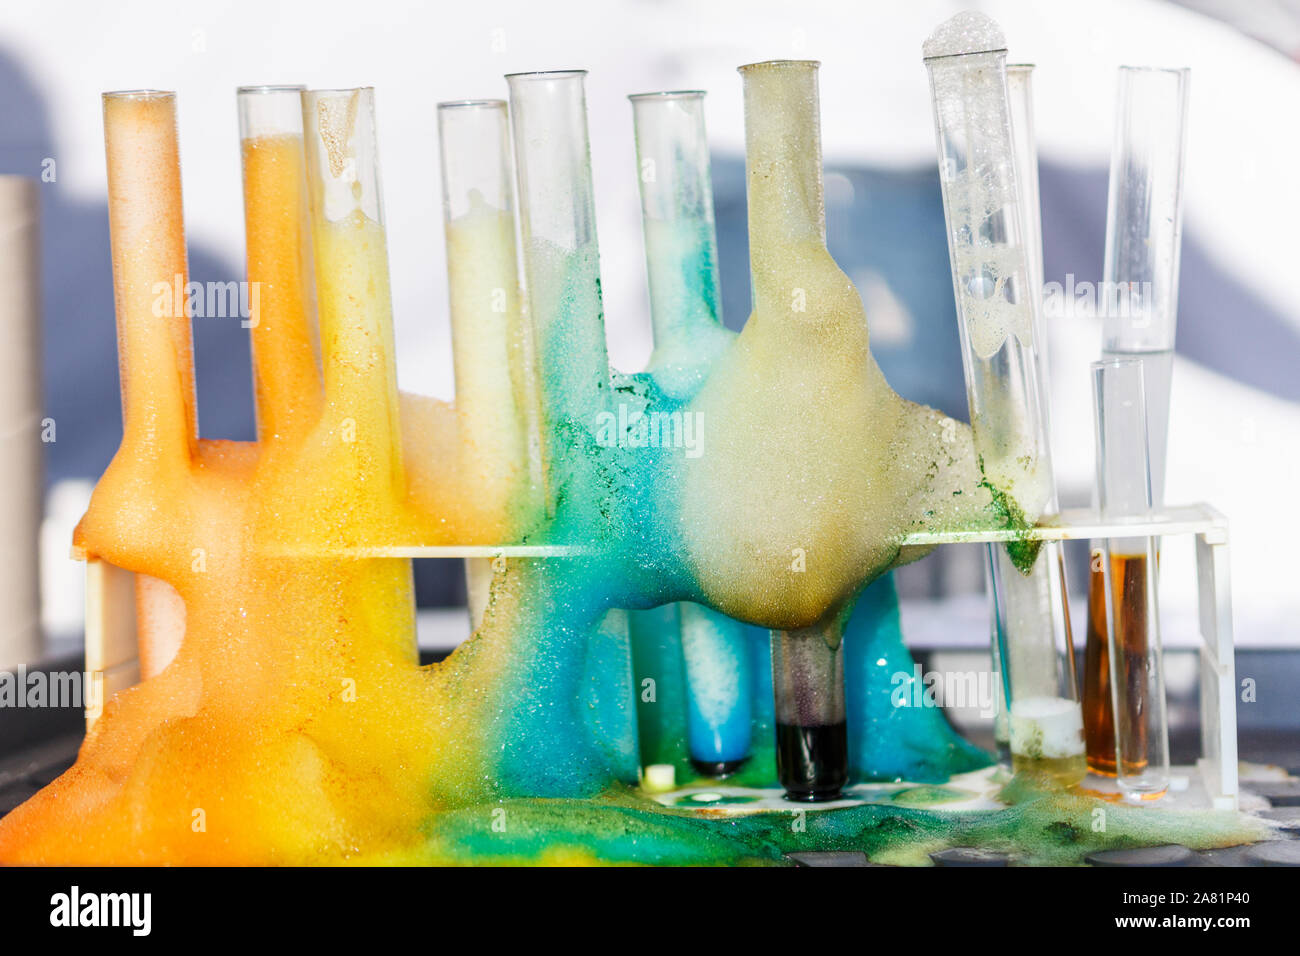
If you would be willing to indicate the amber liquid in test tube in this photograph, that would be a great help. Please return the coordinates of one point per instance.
(1129, 619)
(1128, 574)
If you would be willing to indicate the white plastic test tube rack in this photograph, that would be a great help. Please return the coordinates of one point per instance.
(1218, 761)
(111, 639)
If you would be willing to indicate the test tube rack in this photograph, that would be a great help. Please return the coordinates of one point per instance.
(111, 652)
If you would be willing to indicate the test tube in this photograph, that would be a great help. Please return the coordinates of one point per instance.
(680, 238)
(1144, 238)
(1139, 313)
(784, 188)
(156, 351)
(1131, 619)
(283, 334)
(994, 277)
(147, 228)
(494, 393)
(358, 440)
(353, 293)
(812, 744)
(1020, 99)
(557, 217)
(682, 264)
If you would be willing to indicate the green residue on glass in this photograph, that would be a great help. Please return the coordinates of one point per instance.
(1022, 549)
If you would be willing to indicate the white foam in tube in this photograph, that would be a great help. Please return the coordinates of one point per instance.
(1050, 727)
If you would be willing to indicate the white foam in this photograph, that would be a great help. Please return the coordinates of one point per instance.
(966, 32)
(1049, 727)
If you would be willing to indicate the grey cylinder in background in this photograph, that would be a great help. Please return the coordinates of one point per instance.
(21, 449)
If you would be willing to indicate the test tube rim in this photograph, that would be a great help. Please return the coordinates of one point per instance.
(668, 95)
(1115, 362)
(746, 68)
(495, 104)
(141, 94)
(1178, 70)
(545, 75)
(267, 88)
(336, 91)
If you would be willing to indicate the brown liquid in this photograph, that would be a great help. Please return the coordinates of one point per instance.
(1129, 579)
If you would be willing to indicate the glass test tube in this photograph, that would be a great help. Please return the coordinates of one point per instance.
(557, 217)
(1140, 311)
(354, 297)
(1020, 96)
(812, 742)
(488, 345)
(994, 277)
(1131, 607)
(783, 170)
(494, 393)
(147, 230)
(1144, 238)
(283, 334)
(682, 264)
(359, 434)
(1020, 100)
(155, 352)
(680, 238)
